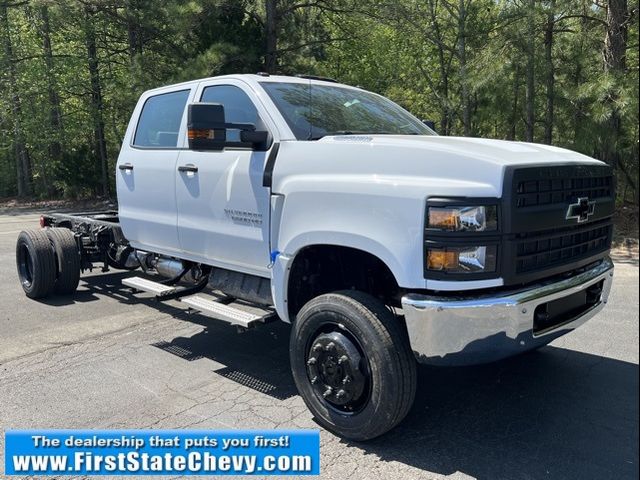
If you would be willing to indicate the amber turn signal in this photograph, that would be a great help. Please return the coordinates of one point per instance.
(443, 218)
(204, 134)
(442, 260)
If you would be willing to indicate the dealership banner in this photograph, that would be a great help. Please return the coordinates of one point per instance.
(162, 452)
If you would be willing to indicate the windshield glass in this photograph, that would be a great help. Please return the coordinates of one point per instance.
(314, 111)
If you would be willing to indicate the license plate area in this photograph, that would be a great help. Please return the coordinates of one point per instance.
(551, 315)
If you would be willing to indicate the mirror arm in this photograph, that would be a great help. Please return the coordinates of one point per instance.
(247, 127)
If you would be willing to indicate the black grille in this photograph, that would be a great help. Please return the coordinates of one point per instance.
(530, 193)
(542, 236)
(542, 250)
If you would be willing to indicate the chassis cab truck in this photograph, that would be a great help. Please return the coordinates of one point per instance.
(335, 210)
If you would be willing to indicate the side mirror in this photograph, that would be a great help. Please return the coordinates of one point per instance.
(430, 123)
(206, 129)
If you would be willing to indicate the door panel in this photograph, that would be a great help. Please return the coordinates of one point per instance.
(146, 174)
(223, 209)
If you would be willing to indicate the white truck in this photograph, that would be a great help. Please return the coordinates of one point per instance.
(335, 210)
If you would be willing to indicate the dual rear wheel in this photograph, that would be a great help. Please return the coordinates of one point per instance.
(48, 260)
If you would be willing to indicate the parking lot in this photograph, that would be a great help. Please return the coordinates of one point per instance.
(106, 359)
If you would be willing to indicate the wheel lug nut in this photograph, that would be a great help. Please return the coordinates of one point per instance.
(341, 394)
(343, 359)
(330, 346)
(312, 361)
(327, 392)
(346, 380)
(317, 347)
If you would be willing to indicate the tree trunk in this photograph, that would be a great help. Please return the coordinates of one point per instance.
(615, 45)
(96, 100)
(530, 75)
(271, 36)
(513, 116)
(23, 159)
(550, 81)
(446, 123)
(55, 111)
(134, 35)
(462, 54)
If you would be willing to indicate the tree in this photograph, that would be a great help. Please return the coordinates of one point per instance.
(22, 156)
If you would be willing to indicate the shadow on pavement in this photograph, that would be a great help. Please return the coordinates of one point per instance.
(554, 413)
(257, 359)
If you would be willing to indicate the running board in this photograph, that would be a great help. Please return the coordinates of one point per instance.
(227, 313)
(144, 285)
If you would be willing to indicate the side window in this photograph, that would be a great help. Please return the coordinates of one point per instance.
(238, 107)
(159, 122)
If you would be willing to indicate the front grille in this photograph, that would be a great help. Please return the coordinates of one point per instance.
(542, 234)
(541, 250)
(530, 193)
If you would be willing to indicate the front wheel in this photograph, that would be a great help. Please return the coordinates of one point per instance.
(352, 364)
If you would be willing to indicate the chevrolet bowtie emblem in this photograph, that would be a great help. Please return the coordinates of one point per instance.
(581, 210)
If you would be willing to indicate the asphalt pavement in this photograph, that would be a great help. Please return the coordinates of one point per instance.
(104, 359)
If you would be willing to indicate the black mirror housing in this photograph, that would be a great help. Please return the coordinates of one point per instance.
(206, 128)
(257, 138)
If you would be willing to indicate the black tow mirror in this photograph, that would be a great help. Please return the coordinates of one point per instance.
(206, 127)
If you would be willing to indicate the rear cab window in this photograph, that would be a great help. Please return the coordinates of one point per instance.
(160, 119)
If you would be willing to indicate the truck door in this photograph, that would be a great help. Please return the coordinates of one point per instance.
(146, 172)
(223, 209)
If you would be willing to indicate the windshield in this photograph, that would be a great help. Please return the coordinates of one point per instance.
(313, 111)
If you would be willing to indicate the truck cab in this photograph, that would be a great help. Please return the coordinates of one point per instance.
(336, 210)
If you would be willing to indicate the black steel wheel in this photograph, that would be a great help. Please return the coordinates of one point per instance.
(67, 260)
(36, 263)
(352, 364)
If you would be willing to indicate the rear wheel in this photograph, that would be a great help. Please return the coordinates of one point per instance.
(36, 263)
(67, 259)
(352, 364)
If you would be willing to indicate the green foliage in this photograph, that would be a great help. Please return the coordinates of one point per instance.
(464, 64)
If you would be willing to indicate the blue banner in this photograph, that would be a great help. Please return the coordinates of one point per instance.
(162, 452)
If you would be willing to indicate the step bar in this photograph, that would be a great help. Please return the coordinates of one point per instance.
(216, 308)
(144, 285)
(227, 313)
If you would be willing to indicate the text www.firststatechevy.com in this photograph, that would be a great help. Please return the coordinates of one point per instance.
(132, 462)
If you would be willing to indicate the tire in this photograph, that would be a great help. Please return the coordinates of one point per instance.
(36, 263)
(67, 260)
(379, 369)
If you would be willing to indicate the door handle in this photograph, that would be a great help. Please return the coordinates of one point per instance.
(188, 168)
(125, 166)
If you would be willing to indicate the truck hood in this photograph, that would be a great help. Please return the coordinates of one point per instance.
(498, 152)
(457, 166)
(451, 165)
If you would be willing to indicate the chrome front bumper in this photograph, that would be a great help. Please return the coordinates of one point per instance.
(468, 330)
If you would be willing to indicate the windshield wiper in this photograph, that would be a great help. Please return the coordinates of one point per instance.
(349, 132)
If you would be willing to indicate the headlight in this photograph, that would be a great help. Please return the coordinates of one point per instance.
(463, 219)
(462, 259)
